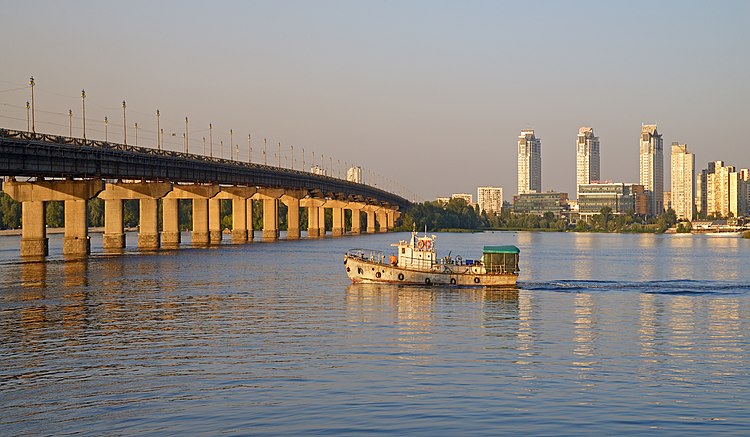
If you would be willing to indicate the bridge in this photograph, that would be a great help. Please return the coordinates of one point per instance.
(75, 170)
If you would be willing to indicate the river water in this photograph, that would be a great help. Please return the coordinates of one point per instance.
(605, 334)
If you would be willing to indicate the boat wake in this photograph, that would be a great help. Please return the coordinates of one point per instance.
(673, 287)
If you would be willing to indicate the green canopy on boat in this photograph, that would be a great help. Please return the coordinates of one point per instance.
(501, 249)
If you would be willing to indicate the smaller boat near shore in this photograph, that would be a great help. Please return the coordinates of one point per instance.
(416, 263)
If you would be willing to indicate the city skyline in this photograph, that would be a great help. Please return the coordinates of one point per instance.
(385, 85)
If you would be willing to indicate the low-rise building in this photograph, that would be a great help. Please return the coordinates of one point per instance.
(540, 203)
(616, 196)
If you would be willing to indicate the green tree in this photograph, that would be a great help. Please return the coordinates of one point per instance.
(96, 212)
(54, 214)
(10, 212)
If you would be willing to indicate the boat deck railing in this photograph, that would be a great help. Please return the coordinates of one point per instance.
(371, 255)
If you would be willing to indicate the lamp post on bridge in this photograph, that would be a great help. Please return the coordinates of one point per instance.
(265, 155)
(279, 153)
(158, 129)
(136, 134)
(221, 149)
(70, 123)
(28, 122)
(231, 141)
(33, 124)
(106, 129)
(204, 146)
(249, 149)
(211, 138)
(292, 156)
(161, 132)
(124, 125)
(83, 117)
(187, 144)
(303, 159)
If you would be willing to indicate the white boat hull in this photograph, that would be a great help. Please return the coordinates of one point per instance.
(361, 270)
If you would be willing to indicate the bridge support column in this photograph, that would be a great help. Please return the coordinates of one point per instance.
(32, 196)
(170, 223)
(34, 241)
(239, 220)
(114, 235)
(148, 234)
(270, 219)
(313, 216)
(356, 225)
(201, 237)
(291, 199)
(338, 222)
(382, 220)
(322, 220)
(76, 240)
(214, 221)
(292, 218)
(370, 220)
(391, 220)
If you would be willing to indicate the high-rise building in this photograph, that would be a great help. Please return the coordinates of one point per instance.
(683, 181)
(354, 174)
(726, 191)
(587, 157)
(652, 167)
(529, 163)
(702, 188)
(468, 198)
(490, 199)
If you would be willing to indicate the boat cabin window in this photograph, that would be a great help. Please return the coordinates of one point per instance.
(403, 250)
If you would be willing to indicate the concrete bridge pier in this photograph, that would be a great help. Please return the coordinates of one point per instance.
(382, 216)
(199, 196)
(337, 208)
(242, 211)
(313, 215)
(170, 223)
(34, 241)
(322, 220)
(147, 193)
(355, 208)
(270, 197)
(114, 232)
(214, 220)
(291, 198)
(32, 196)
(370, 211)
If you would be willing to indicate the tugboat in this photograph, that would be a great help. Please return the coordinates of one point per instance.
(416, 263)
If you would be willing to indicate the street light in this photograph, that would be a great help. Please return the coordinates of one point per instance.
(231, 141)
(70, 123)
(204, 146)
(303, 159)
(136, 134)
(265, 155)
(124, 125)
(158, 129)
(292, 156)
(187, 140)
(33, 124)
(221, 149)
(211, 138)
(106, 129)
(249, 149)
(279, 152)
(28, 123)
(83, 104)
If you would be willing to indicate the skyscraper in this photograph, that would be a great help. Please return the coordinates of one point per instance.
(683, 181)
(652, 167)
(529, 163)
(587, 157)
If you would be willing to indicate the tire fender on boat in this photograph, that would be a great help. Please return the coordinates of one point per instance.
(453, 281)
(476, 280)
(377, 275)
(400, 276)
(427, 281)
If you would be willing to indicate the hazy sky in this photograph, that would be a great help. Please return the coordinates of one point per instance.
(430, 94)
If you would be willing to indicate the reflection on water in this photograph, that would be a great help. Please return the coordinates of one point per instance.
(272, 339)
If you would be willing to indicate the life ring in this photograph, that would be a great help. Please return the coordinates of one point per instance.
(427, 281)
(377, 274)
(427, 244)
(420, 244)
(400, 276)
(476, 280)
(453, 281)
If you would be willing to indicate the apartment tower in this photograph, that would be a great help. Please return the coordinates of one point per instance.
(490, 199)
(529, 163)
(683, 181)
(587, 157)
(652, 168)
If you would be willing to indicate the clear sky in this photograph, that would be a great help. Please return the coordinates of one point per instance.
(430, 94)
